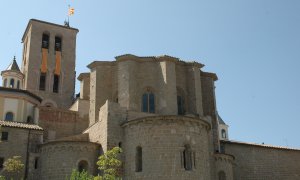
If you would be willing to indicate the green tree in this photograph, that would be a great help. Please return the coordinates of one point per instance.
(13, 165)
(76, 175)
(110, 164)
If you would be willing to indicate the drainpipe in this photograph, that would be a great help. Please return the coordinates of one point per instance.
(27, 156)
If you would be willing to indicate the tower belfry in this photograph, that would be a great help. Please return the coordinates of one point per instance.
(48, 64)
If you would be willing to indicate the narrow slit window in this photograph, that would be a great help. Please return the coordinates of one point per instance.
(180, 105)
(139, 159)
(43, 82)
(56, 83)
(36, 163)
(45, 41)
(187, 158)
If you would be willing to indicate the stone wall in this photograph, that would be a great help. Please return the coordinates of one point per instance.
(163, 139)
(58, 159)
(19, 141)
(59, 123)
(258, 162)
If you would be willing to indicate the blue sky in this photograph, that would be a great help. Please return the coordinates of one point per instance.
(252, 45)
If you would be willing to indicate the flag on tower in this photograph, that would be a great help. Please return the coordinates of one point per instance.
(71, 11)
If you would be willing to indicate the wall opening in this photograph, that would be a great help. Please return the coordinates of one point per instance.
(57, 44)
(139, 159)
(12, 83)
(55, 83)
(83, 165)
(42, 81)
(9, 116)
(45, 41)
(148, 102)
(187, 158)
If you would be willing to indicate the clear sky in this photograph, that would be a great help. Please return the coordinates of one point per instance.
(252, 45)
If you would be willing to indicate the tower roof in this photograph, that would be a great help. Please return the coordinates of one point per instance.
(220, 119)
(13, 66)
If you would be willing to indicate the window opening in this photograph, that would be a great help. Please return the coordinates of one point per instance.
(55, 83)
(45, 41)
(9, 116)
(223, 133)
(139, 159)
(148, 102)
(12, 83)
(187, 158)
(4, 136)
(57, 44)
(83, 165)
(43, 81)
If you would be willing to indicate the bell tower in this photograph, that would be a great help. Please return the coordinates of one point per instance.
(48, 65)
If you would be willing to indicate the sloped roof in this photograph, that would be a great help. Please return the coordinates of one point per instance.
(259, 145)
(220, 119)
(13, 66)
(20, 125)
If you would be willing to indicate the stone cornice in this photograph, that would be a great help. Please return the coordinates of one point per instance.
(83, 76)
(209, 74)
(167, 118)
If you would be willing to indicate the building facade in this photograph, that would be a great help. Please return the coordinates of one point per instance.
(159, 109)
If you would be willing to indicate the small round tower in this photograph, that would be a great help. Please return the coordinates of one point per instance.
(12, 77)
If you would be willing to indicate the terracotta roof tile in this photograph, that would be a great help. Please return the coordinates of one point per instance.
(20, 125)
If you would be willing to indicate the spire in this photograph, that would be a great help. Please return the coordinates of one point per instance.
(13, 66)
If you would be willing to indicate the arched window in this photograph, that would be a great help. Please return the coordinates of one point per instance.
(83, 165)
(223, 132)
(57, 46)
(18, 84)
(29, 120)
(148, 104)
(9, 116)
(12, 83)
(180, 105)
(42, 81)
(45, 41)
(180, 101)
(56, 83)
(5, 83)
(187, 158)
(139, 159)
(222, 175)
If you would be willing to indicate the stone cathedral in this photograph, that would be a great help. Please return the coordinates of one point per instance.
(160, 110)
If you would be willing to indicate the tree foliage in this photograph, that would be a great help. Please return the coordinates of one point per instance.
(76, 175)
(108, 163)
(13, 165)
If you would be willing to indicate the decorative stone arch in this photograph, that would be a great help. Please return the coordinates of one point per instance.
(49, 103)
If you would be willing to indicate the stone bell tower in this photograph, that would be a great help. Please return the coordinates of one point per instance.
(49, 53)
